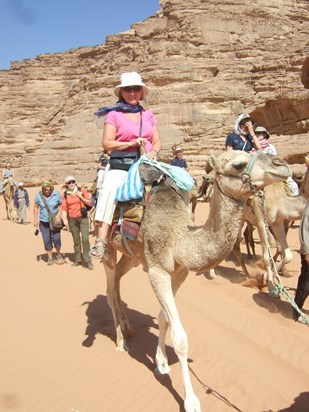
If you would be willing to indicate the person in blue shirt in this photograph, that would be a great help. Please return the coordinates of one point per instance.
(178, 158)
(51, 239)
(243, 136)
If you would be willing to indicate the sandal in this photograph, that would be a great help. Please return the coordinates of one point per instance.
(98, 249)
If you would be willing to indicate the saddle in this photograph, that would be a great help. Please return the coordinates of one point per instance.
(128, 215)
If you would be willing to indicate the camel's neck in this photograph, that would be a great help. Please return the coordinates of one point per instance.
(215, 240)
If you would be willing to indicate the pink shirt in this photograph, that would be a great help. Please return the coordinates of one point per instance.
(127, 130)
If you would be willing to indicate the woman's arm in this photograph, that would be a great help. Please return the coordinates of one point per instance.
(255, 141)
(36, 209)
(109, 141)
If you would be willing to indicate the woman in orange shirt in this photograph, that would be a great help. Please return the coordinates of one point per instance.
(74, 215)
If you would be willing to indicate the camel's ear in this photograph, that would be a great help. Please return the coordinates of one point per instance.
(214, 163)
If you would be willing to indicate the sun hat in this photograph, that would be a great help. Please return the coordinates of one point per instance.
(68, 178)
(131, 79)
(261, 129)
(177, 148)
(20, 184)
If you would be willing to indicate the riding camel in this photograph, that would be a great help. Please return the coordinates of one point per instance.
(169, 245)
(8, 194)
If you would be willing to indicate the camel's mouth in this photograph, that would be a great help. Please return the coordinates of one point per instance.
(282, 175)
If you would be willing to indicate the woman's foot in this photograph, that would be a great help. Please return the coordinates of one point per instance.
(98, 249)
(50, 262)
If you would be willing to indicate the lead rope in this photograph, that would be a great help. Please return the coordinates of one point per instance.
(279, 287)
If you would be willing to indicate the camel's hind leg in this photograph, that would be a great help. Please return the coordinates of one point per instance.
(114, 272)
(164, 290)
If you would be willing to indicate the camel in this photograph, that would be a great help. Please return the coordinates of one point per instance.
(8, 194)
(169, 245)
(279, 209)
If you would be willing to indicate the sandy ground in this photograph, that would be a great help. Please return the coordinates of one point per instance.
(58, 351)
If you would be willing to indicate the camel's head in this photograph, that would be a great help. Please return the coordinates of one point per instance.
(254, 171)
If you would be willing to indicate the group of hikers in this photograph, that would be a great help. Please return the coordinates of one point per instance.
(128, 128)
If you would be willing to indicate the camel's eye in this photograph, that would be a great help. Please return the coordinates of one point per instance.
(240, 166)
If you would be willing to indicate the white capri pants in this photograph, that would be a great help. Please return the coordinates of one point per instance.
(106, 204)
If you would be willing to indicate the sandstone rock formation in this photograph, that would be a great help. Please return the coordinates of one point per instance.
(206, 61)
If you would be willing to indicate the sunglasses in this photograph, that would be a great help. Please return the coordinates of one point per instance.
(70, 182)
(132, 89)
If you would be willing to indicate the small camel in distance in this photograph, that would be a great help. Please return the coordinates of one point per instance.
(170, 245)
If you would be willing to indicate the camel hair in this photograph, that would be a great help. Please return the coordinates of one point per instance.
(170, 245)
(8, 194)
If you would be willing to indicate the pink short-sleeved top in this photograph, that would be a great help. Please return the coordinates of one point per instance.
(127, 130)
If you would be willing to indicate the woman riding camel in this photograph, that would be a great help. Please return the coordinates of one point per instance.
(127, 127)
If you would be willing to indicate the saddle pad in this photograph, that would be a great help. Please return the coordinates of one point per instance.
(130, 229)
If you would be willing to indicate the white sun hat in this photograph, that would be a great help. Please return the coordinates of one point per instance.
(20, 184)
(131, 79)
(68, 178)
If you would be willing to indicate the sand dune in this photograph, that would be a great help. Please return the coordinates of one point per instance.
(58, 351)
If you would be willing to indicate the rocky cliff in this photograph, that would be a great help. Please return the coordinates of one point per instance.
(206, 61)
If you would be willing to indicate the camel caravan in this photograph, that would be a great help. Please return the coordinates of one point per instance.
(169, 245)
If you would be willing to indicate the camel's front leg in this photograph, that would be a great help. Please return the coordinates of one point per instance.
(164, 291)
(114, 273)
(279, 233)
(161, 358)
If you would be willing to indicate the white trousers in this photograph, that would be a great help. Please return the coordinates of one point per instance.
(106, 201)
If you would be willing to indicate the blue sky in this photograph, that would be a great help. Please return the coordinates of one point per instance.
(32, 27)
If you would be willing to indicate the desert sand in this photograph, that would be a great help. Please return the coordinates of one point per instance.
(58, 352)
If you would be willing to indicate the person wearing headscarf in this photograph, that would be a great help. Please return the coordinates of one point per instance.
(243, 137)
(21, 202)
(127, 127)
(51, 239)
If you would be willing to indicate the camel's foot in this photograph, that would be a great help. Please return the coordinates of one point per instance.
(122, 345)
(161, 362)
(211, 274)
(192, 404)
(273, 291)
(127, 330)
(162, 369)
(285, 273)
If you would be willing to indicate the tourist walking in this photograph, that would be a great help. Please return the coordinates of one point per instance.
(21, 202)
(75, 201)
(47, 201)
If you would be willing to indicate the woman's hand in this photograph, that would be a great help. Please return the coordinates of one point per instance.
(141, 141)
(152, 155)
(250, 128)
